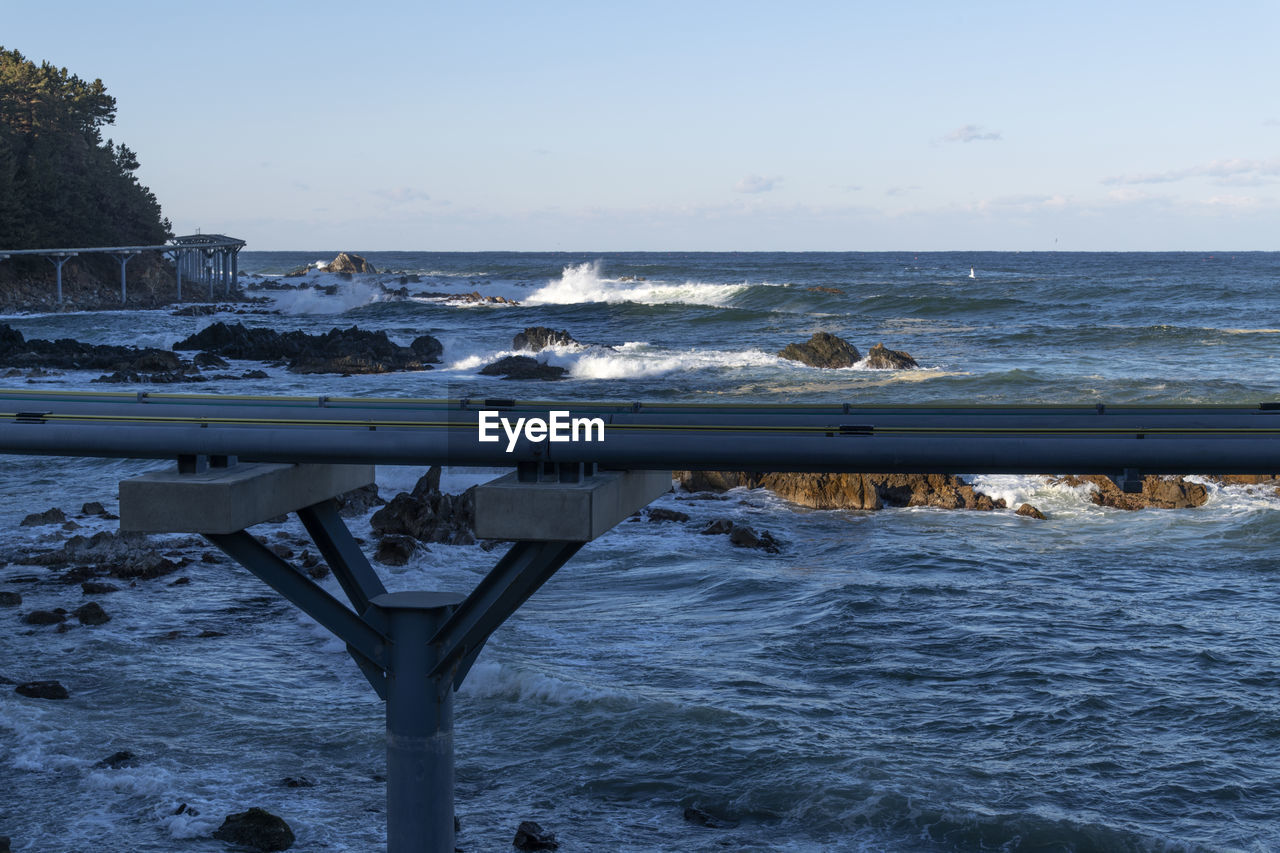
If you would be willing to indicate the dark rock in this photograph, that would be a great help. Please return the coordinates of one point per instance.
(255, 374)
(879, 358)
(182, 581)
(663, 514)
(522, 367)
(93, 508)
(281, 550)
(9, 599)
(257, 829)
(49, 516)
(717, 526)
(743, 536)
(208, 634)
(348, 262)
(208, 359)
(1030, 512)
(98, 588)
(429, 515)
(69, 354)
(91, 614)
(297, 782)
(319, 571)
(45, 617)
(429, 349)
(183, 808)
(123, 758)
(822, 350)
(1157, 492)
(540, 337)
(848, 491)
(531, 836)
(703, 818)
(474, 296)
(352, 350)
(42, 690)
(395, 550)
(4, 844)
(359, 501)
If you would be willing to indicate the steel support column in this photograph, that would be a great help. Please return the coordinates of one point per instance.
(58, 261)
(123, 258)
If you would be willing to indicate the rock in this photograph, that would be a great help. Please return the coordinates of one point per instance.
(123, 758)
(879, 358)
(4, 844)
(848, 491)
(702, 818)
(352, 350)
(128, 556)
(821, 289)
(281, 550)
(522, 367)
(91, 614)
(661, 514)
(718, 526)
(42, 690)
(1030, 512)
(317, 572)
(822, 350)
(427, 514)
(395, 550)
(208, 634)
(98, 588)
(49, 516)
(359, 501)
(69, 354)
(540, 337)
(743, 536)
(531, 836)
(348, 262)
(182, 581)
(1157, 492)
(45, 617)
(93, 508)
(9, 599)
(258, 829)
(296, 782)
(208, 359)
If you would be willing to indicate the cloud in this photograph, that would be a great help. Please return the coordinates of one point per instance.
(1234, 172)
(901, 190)
(756, 184)
(972, 133)
(402, 195)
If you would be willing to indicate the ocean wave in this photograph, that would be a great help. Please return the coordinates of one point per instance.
(586, 283)
(349, 295)
(495, 680)
(632, 360)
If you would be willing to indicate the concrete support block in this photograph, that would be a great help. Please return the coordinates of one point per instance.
(569, 512)
(224, 500)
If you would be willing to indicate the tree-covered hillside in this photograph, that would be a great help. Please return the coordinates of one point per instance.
(61, 183)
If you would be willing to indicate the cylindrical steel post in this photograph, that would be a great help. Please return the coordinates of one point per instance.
(177, 269)
(419, 725)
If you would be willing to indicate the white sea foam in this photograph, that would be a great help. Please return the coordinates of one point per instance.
(492, 680)
(586, 283)
(351, 294)
(632, 360)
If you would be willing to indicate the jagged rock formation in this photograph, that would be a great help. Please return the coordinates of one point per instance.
(880, 358)
(522, 367)
(539, 337)
(822, 350)
(351, 350)
(848, 491)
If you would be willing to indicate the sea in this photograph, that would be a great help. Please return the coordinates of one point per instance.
(899, 680)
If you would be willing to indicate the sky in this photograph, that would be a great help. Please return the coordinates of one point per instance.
(686, 126)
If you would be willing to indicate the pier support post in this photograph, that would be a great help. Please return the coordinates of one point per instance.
(58, 261)
(123, 258)
(177, 269)
(419, 723)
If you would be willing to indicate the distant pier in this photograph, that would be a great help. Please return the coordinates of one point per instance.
(205, 259)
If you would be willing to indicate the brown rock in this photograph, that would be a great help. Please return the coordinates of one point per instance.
(848, 491)
(822, 350)
(1157, 492)
(348, 262)
(1030, 512)
(879, 358)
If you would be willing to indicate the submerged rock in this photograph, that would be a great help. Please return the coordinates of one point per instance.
(698, 817)
(662, 514)
(742, 536)
(522, 367)
(880, 358)
(123, 758)
(258, 829)
(539, 337)
(45, 617)
(848, 491)
(91, 614)
(822, 350)
(42, 690)
(9, 599)
(531, 836)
